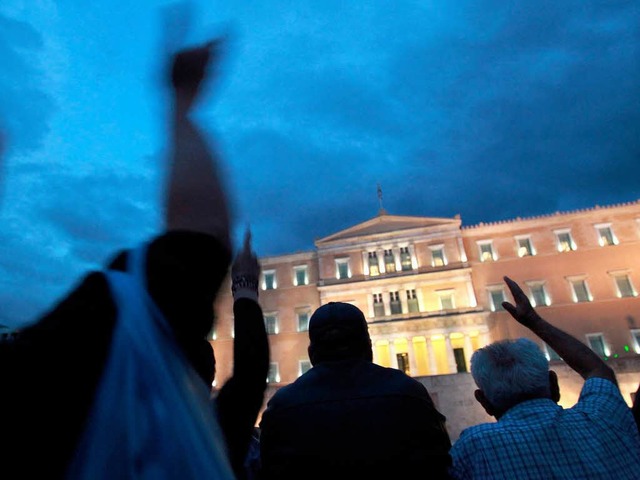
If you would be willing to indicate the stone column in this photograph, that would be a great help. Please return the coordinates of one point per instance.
(463, 253)
(433, 366)
(473, 301)
(392, 355)
(468, 350)
(365, 263)
(414, 259)
(403, 300)
(396, 258)
(451, 359)
(413, 366)
(381, 265)
(484, 339)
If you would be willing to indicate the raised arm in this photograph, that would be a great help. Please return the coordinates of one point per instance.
(576, 354)
(241, 397)
(196, 199)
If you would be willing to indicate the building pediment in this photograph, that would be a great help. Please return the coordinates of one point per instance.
(388, 224)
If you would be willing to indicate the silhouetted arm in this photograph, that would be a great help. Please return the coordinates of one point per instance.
(241, 397)
(195, 199)
(576, 354)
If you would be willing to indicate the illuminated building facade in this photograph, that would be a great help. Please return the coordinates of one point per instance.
(431, 288)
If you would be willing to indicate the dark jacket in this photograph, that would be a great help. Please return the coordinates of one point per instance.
(50, 372)
(353, 419)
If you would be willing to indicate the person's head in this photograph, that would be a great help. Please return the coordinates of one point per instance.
(338, 331)
(184, 272)
(510, 372)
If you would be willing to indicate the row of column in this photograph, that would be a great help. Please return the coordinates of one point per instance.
(396, 257)
(480, 339)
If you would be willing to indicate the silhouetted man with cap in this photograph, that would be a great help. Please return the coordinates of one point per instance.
(348, 417)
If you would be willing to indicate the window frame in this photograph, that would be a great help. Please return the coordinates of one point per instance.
(483, 243)
(266, 273)
(305, 270)
(605, 347)
(276, 328)
(572, 243)
(300, 370)
(301, 311)
(574, 294)
(602, 226)
(277, 378)
(531, 251)
(342, 261)
(438, 248)
(542, 284)
(627, 275)
(449, 292)
(492, 304)
(378, 295)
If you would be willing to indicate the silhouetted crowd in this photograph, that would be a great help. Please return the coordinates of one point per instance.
(115, 381)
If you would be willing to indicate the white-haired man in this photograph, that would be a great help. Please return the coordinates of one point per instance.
(534, 437)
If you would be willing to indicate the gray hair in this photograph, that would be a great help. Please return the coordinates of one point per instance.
(511, 371)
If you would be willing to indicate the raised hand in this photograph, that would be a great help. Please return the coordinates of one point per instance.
(522, 311)
(245, 271)
(189, 68)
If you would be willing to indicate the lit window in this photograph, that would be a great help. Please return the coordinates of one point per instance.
(412, 301)
(550, 353)
(300, 275)
(525, 248)
(486, 251)
(539, 297)
(580, 291)
(496, 296)
(394, 303)
(343, 271)
(635, 334)
(271, 323)
(597, 344)
(624, 286)
(446, 299)
(405, 259)
(605, 235)
(274, 373)
(564, 241)
(437, 256)
(303, 367)
(374, 268)
(389, 261)
(303, 321)
(378, 305)
(269, 281)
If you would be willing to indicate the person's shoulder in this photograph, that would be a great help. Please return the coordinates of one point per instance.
(291, 394)
(396, 381)
(475, 435)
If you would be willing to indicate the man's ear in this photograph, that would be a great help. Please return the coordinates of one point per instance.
(484, 401)
(554, 387)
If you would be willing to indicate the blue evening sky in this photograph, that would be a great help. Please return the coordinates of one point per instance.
(488, 108)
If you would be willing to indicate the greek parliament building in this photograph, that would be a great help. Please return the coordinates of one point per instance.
(431, 290)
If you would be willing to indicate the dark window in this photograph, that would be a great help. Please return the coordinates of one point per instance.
(389, 261)
(461, 362)
(378, 305)
(394, 303)
(403, 363)
(405, 259)
(412, 301)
